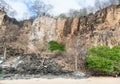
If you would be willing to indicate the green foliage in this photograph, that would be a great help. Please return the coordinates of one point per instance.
(117, 66)
(116, 49)
(102, 56)
(54, 45)
(101, 49)
(116, 58)
(98, 63)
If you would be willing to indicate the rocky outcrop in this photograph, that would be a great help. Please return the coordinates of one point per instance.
(78, 34)
(29, 64)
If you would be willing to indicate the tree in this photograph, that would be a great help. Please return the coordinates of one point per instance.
(76, 55)
(62, 15)
(104, 4)
(113, 2)
(26, 16)
(73, 13)
(91, 9)
(119, 2)
(84, 11)
(77, 13)
(7, 9)
(12, 14)
(78, 51)
(8, 36)
(39, 8)
(98, 5)
(2, 8)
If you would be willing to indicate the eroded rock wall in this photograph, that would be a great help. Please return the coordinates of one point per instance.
(78, 34)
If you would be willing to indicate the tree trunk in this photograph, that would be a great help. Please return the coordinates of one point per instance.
(76, 63)
(76, 55)
(5, 52)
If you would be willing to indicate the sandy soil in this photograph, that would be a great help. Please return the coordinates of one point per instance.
(93, 80)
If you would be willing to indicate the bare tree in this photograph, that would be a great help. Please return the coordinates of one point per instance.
(113, 2)
(8, 36)
(104, 4)
(101, 4)
(40, 8)
(12, 13)
(76, 55)
(84, 11)
(75, 44)
(7, 9)
(90, 9)
(77, 13)
(98, 5)
(26, 15)
(73, 13)
(2, 8)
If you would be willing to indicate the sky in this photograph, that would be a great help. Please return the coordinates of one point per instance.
(59, 6)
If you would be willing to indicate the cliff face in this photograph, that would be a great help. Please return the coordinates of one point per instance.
(99, 29)
(77, 34)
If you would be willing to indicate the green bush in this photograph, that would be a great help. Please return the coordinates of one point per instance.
(117, 66)
(99, 51)
(100, 64)
(54, 45)
(116, 58)
(103, 58)
(116, 49)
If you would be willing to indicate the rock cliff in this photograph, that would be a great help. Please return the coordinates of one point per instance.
(78, 34)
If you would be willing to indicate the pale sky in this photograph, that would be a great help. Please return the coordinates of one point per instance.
(60, 6)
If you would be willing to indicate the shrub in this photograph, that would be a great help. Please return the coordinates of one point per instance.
(54, 45)
(103, 58)
(117, 66)
(99, 20)
(99, 51)
(100, 64)
(116, 58)
(116, 49)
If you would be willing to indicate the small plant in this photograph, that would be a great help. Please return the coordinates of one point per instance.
(99, 20)
(54, 45)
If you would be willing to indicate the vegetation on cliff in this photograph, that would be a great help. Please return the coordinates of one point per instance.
(103, 58)
(54, 45)
(78, 32)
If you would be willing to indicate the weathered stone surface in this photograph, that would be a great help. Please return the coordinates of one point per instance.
(78, 74)
(30, 64)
